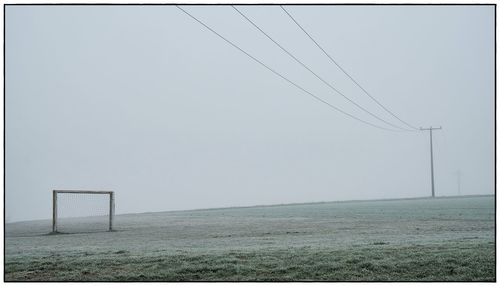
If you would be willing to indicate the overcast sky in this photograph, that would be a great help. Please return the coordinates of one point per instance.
(145, 101)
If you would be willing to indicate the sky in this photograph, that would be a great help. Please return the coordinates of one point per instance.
(148, 103)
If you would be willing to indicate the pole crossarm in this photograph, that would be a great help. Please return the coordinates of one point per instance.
(431, 128)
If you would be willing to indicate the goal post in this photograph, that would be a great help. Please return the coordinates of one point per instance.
(55, 214)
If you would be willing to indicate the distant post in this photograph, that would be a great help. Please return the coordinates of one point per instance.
(459, 174)
(432, 158)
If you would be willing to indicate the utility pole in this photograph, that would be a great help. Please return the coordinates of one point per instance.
(459, 174)
(432, 158)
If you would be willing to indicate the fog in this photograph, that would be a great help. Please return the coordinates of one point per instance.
(146, 102)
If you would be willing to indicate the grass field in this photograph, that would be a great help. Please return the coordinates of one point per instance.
(440, 239)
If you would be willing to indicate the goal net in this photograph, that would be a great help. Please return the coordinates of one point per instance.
(82, 211)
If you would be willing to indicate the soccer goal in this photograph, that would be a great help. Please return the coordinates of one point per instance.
(82, 211)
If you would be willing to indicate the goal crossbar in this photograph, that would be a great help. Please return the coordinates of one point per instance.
(82, 192)
(54, 204)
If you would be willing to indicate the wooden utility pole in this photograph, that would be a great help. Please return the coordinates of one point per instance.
(432, 158)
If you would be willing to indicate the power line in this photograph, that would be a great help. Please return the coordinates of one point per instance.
(345, 72)
(315, 74)
(281, 76)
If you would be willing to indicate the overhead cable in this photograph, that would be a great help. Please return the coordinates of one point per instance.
(281, 76)
(345, 72)
(315, 74)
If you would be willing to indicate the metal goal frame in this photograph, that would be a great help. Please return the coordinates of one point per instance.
(54, 204)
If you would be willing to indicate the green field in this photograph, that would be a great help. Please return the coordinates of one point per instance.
(440, 239)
